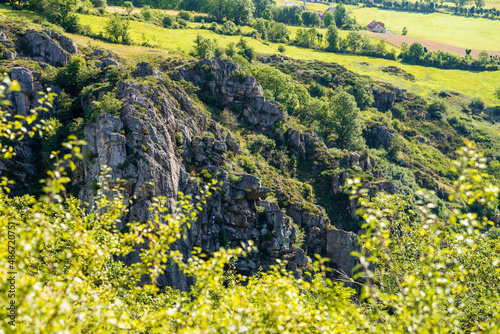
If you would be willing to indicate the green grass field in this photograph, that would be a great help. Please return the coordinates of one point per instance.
(428, 80)
(487, 4)
(466, 32)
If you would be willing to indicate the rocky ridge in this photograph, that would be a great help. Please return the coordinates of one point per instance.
(160, 143)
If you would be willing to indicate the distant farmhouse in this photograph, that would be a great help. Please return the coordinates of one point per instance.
(377, 27)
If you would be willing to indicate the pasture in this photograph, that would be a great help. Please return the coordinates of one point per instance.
(465, 32)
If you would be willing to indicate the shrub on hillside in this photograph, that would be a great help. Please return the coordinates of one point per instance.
(168, 21)
(185, 15)
(437, 110)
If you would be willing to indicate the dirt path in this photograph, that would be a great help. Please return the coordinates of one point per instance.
(396, 40)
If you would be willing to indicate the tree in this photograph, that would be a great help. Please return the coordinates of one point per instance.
(479, 3)
(328, 19)
(62, 12)
(99, 3)
(279, 32)
(306, 38)
(277, 86)
(437, 110)
(218, 9)
(245, 50)
(128, 6)
(484, 57)
(415, 254)
(405, 31)
(311, 19)
(354, 39)
(342, 123)
(332, 38)
(191, 5)
(267, 14)
(204, 48)
(415, 53)
(362, 94)
(231, 49)
(118, 29)
(382, 47)
(340, 15)
(241, 11)
(263, 6)
(497, 93)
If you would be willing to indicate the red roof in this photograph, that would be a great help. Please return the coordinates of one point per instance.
(374, 23)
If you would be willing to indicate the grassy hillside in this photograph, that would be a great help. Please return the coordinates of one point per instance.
(428, 80)
(475, 84)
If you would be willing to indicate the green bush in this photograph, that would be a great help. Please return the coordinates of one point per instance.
(185, 15)
(437, 110)
(223, 239)
(107, 105)
(206, 175)
(179, 138)
(229, 28)
(168, 21)
(240, 76)
(247, 164)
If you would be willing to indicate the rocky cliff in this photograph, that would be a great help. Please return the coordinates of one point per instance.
(161, 142)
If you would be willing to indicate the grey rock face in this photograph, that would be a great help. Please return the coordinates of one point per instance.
(65, 42)
(141, 146)
(21, 100)
(301, 258)
(339, 245)
(145, 69)
(24, 167)
(248, 183)
(102, 53)
(43, 48)
(107, 62)
(378, 135)
(244, 97)
(385, 96)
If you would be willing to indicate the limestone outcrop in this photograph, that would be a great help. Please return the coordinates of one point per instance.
(47, 46)
(226, 82)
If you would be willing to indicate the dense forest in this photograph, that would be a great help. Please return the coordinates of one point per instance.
(216, 188)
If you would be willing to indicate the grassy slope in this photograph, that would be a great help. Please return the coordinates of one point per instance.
(429, 80)
(477, 84)
(487, 4)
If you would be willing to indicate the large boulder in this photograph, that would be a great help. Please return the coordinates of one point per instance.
(65, 42)
(41, 47)
(339, 245)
